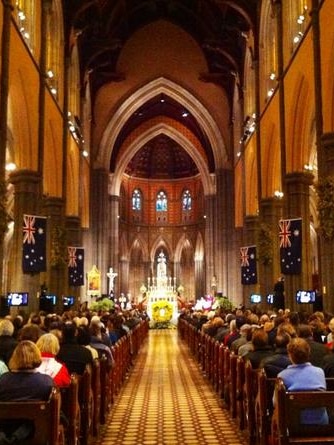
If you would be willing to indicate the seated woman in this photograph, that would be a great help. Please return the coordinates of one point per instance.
(303, 376)
(48, 344)
(23, 383)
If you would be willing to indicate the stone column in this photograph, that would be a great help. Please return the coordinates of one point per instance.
(114, 258)
(101, 225)
(326, 244)
(271, 210)
(27, 185)
(200, 289)
(210, 220)
(56, 275)
(225, 243)
(298, 206)
(4, 89)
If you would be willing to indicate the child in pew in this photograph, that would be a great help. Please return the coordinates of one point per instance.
(303, 376)
(22, 383)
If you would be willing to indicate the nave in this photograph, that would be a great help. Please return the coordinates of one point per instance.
(166, 400)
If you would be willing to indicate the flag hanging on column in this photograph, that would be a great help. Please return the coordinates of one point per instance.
(34, 244)
(248, 265)
(290, 233)
(75, 266)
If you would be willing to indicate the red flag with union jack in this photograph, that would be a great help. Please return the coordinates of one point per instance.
(34, 244)
(290, 235)
(248, 265)
(75, 266)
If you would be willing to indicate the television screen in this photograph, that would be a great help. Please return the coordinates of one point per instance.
(255, 298)
(270, 298)
(305, 296)
(52, 299)
(68, 301)
(17, 298)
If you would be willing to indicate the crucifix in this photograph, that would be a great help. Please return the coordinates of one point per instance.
(111, 275)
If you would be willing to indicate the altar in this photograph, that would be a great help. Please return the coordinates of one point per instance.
(162, 289)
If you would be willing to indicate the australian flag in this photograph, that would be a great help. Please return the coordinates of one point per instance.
(75, 266)
(34, 244)
(290, 234)
(248, 265)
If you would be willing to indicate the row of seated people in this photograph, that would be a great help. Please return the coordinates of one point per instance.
(291, 354)
(70, 368)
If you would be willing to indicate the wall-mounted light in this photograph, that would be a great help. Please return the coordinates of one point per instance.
(278, 194)
(308, 167)
(85, 153)
(10, 166)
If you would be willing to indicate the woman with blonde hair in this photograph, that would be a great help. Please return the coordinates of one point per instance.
(48, 344)
(23, 382)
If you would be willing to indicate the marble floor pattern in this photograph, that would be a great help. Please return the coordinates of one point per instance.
(166, 400)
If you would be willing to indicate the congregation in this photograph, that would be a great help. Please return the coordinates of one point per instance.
(42, 351)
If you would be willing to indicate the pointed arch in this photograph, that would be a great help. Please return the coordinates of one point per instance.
(159, 243)
(199, 249)
(164, 86)
(138, 242)
(182, 243)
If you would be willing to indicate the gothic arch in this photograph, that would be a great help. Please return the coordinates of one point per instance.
(138, 242)
(160, 242)
(182, 243)
(164, 86)
(150, 133)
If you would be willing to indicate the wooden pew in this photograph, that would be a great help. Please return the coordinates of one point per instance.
(105, 389)
(240, 394)
(286, 427)
(71, 410)
(85, 396)
(96, 390)
(44, 415)
(233, 384)
(250, 391)
(264, 408)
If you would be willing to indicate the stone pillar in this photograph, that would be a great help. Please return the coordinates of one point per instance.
(114, 258)
(27, 185)
(56, 275)
(4, 89)
(210, 219)
(298, 206)
(101, 226)
(271, 210)
(225, 243)
(200, 289)
(326, 244)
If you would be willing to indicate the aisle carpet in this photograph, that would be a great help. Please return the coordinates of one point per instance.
(166, 400)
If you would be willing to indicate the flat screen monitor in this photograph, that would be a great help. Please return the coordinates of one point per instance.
(255, 298)
(270, 298)
(305, 296)
(17, 298)
(52, 299)
(68, 300)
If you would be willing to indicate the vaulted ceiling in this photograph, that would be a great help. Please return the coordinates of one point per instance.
(220, 27)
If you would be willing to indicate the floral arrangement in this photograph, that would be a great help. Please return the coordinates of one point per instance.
(104, 305)
(58, 247)
(222, 303)
(162, 313)
(325, 204)
(265, 243)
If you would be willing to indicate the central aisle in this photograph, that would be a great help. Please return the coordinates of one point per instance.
(167, 401)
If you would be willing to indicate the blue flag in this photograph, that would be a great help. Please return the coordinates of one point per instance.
(290, 233)
(248, 265)
(75, 266)
(34, 244)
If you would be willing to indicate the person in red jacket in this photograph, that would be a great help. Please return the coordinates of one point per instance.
(48, 344)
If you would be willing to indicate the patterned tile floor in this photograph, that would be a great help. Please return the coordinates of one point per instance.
(166, 401)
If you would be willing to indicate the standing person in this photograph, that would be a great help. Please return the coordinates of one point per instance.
(303, 376)
(279, 302)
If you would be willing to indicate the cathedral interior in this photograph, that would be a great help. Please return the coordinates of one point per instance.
(191, 128)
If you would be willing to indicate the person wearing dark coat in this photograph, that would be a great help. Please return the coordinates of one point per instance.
(318, 350)
(73, 355)
(261, 348)
(7, 341)
(279, 359)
